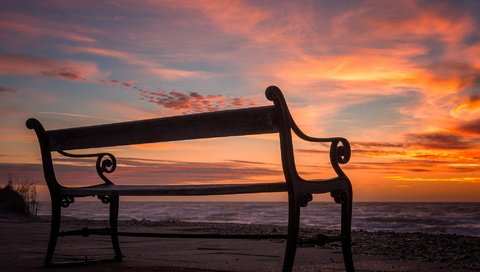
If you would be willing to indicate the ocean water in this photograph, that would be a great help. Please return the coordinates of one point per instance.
(451, 218)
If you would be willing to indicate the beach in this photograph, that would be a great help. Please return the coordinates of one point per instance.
(24, 241)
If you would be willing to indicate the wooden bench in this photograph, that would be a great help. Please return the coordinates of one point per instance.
(255, 120)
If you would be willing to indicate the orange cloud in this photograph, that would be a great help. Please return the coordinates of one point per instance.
(471, 127)
(440, 179)
(438, 140)
(387, 71)
(467, 109)
(168, 146)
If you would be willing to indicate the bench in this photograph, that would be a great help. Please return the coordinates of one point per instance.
(256, 120)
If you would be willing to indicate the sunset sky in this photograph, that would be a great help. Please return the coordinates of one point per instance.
(399, 79)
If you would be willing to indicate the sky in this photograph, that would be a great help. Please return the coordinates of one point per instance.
(399, 79)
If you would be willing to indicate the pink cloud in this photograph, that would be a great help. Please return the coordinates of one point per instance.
(98, 52)
(194, 102)
(151, 67)
(27, 65)
(28, 28)
(173, 74)
(67, 73)
(4, 89)
(186, 102)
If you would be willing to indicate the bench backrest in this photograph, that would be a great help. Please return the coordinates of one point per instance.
(257, 120)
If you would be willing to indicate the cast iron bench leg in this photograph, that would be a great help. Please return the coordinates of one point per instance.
(292, 233)
(114, 203)
(346, 231)
(54, 229)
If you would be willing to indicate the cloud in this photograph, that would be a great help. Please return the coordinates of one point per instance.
(19, 29)
(103, 52)
(428, 154)
(439, 179)
(76, 115)
(379, 49)
(344, 60)
(431, 164)
(67, 73)
(472, 127)
(438, 140)
(4, 89)
(468, 108)
(312, 151)
(150, 66)
(186, 102)
(173, 74)
(27, 65)
(377, 145)
(193, 101)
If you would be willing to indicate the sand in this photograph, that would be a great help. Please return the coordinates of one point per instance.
(23, 244)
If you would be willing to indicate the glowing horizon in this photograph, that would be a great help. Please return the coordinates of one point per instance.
(400, 80)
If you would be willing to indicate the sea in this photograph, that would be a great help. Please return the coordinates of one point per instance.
(435, 218)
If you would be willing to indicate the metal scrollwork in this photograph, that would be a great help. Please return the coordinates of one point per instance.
(339, 154)
(104, 198)
(66, 201)
(339, 196)
(106, 163)
(305, 199)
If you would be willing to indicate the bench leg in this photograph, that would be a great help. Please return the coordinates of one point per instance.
(114, 203)
(292, 234)
(346, 222)
(54, 230)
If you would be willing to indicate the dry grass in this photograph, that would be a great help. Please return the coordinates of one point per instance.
(19, 197)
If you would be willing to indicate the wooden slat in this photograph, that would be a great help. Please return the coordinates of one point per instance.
(248, 121)
(175, 190)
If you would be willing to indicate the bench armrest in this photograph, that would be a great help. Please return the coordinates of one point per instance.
(106, 163)
(338, 153)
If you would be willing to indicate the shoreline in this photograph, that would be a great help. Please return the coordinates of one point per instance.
(373, 251)
(460, 219)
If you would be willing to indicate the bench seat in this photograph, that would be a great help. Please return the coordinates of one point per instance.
(174, 190)
(312, 186)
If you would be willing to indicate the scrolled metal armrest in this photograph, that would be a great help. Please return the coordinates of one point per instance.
(338, 153)
(106, 163)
